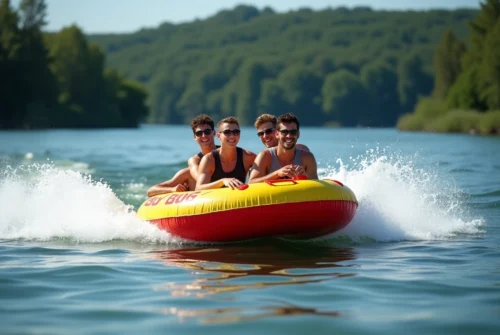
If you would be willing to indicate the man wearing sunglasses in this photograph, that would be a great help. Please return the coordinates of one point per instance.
(227, 166)
(185, 179)
(284, 160)
(266, 131)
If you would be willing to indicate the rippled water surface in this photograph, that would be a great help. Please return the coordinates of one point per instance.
(422, 254)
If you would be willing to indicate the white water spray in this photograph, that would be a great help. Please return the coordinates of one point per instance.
(41, 202)
(398, 201)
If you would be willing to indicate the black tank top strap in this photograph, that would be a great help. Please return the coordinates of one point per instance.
(239, 171)
(218, 164)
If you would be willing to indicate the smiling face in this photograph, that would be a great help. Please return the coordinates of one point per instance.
(204, 135)
(267, 134)
(288, 134)
(229, 134)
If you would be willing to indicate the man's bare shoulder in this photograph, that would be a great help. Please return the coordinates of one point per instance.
(208, 157)
(307, 154)
(194, 159)
(248, 152)
(302, 147)
(265, 153)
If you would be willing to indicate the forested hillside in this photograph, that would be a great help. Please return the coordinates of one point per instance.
(59, 80)
(351, 67)
(466, 95)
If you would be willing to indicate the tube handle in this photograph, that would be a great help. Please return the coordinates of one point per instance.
(271, 182)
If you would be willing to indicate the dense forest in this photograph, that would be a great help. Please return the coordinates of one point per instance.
(466, 94)
(336, 67)
(59, 80)
(340, 66)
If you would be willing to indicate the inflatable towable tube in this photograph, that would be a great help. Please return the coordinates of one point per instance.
(296, 209)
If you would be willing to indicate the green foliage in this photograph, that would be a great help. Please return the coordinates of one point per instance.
(431, 108)
(467, 82)
(10, 37)
(413, 81)
(59, 80)
(427, 110)
(28, 88)
(464, 94)
(381, 82)
(490, 69)
(456, 121)
(447, 63)
(349, 67)
(247, 61)
(301, 90)
(343, 97)
(482, 59)
(411, 122)
(489, 123)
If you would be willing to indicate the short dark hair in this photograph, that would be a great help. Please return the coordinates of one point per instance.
(202, 119)
(265, 118)
(288, 118)
(230, 120)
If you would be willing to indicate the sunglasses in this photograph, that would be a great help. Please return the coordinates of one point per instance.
(207, 132)
(267, 131)
(292, 132)
(228, 132)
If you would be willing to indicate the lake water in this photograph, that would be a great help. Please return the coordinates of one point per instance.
(422, 254)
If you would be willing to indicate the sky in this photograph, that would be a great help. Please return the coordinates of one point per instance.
(120, 16)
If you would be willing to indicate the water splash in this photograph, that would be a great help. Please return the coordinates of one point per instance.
(400, 201)
(42, 202)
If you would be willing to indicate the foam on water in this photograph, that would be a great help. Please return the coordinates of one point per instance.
(42, 202)
(397, 201)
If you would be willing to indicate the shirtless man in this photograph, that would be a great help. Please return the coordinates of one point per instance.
(266, 130)
(285, 160)
(227, 166)
(184, 180)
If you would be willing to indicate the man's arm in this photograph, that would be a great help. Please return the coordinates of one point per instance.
(260, 169)
(194, 164)
(176, 184)
(248, 159)
(302, 147)
(205, 171)
(310, 165)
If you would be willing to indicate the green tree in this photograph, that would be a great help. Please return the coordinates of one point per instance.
(381, 82)
(301, 88)
(132, 103)
(89, 95)
(490, 69)
(463, 94)
(10, 66)
(28, 88)
(344, 98)
(10, 43)
(41, 89)
(191, 103)
(413, 81)
(480, 57)
(447, 63)
(247, 88)
(272, 98)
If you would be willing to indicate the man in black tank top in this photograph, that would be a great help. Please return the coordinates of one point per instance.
(185, 179)
(228, 165)
(283, 161)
